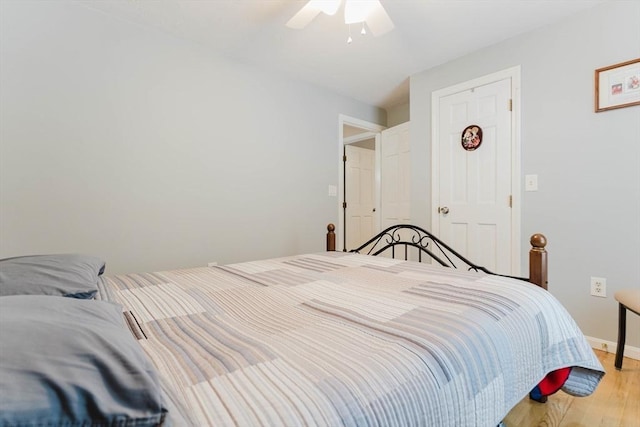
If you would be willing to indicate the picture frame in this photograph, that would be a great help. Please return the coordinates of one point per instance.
(617, 86)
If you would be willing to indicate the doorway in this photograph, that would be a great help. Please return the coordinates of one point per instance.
(358, 182)
(476, 185)
(361, 210)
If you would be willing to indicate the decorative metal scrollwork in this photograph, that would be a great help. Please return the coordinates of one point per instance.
(407, 236)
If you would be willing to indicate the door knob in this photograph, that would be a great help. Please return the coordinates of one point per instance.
(443, 210)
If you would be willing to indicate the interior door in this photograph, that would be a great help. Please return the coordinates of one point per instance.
(395, 176)
(360, 194)
(474, 181)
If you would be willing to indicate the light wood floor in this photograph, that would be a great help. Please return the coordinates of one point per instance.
(616, 402)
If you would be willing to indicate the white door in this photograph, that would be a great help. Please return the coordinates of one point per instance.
(473, 210)
(360, 195)
(395, 176)
(355, 131)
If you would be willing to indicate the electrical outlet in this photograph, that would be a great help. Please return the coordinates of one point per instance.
(599, 287)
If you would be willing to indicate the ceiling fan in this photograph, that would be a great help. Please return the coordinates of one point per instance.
(370, 12)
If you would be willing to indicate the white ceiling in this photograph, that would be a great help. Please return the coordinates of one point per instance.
(374, 70)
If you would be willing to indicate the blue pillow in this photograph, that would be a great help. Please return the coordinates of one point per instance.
(68, 275)
(71, 362)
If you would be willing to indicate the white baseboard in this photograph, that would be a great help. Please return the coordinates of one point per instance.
(610, 347)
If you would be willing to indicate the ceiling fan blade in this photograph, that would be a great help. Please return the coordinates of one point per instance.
(378, 21)
(304, 16)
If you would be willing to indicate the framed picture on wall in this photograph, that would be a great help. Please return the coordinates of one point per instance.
(618, 86)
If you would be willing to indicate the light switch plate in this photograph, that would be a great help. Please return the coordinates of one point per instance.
(531, 183)
(333, 191)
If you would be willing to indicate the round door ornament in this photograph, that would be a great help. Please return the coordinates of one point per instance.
(471, 137)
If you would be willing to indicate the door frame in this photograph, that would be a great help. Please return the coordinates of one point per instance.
(370, 130)
(512, 73)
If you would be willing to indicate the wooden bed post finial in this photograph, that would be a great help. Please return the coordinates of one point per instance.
(538, 269)
(331, 237)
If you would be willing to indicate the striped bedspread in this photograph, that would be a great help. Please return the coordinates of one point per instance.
(337, 339)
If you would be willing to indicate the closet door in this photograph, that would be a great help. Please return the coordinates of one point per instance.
(395, 176)
(473, 210)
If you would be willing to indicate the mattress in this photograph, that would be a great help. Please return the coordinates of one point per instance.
(346, 339)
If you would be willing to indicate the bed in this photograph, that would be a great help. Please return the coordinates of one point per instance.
(330, 338)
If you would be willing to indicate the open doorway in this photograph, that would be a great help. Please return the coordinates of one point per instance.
(358, 182)
(360, 189)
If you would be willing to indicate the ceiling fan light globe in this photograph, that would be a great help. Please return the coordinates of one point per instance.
(356, 11)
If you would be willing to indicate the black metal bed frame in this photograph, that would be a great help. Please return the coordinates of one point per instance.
(411, 236)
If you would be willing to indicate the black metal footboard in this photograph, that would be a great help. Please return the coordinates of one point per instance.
(398, 241)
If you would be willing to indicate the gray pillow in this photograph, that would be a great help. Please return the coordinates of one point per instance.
(68, 275)
(71, 362)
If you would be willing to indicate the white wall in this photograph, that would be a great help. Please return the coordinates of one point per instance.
(151, 152)
(588, 203)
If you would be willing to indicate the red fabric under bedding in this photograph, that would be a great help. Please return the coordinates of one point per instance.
(551, 383)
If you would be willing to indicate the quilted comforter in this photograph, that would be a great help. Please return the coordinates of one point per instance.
(337, 339)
